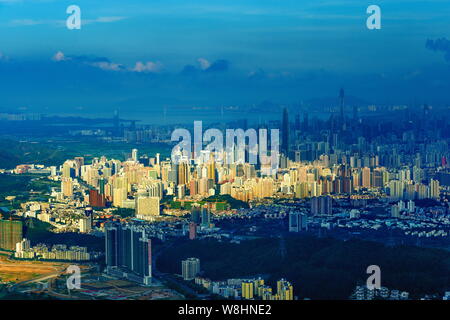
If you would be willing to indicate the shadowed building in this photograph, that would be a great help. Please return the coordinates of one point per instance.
(285, 133)
(128, 252)
(10, 233)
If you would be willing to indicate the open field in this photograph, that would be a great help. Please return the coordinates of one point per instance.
(18, 271)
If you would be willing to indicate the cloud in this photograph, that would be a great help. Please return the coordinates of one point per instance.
(141, 66)
(257, 74)
(59, 56)
(108, 66)
(441, 44)
(147, 67)
(102, 20)
(26, 22)
(206, 67)
(218, 66)
(204, 64)
(98, 62)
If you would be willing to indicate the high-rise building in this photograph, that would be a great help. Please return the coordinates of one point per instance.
(85, 225)
(196, 214)
(257, 284)
(321, 205)
(285, 133)
(10, 233)
(247, 289)
(285, 290)
(190, 268)
(147, 207)
(183, 173)
(297, 222)
(341, 107)
(134, 155)
(101, 185)
(434, 189)
(67, 187)
(22, 246)
(128, 251)
(365, 177)
(212, 169)
(396, 189)
(265, 292)
(192, 230)
(193, 187)
(120, 191)
(206, 217)
(96, 199)
(68, 169)
(395, 211)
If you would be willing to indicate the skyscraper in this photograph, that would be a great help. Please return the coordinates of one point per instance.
(67, 187)
(341, 105)
(321, 205)
(285, 133)
(134, 155)
(285, 290)
(116, 123)
(183, 173)
(212, 168)
(96, 199)
(297, 222)
(434, 189)
(206, 217)
(247, 289)
(147, 207)
(196, 213)
(190, 268)
(128, 251)
(192, 230)
(10, 233)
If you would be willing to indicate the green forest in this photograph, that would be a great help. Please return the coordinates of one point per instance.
(319, 268)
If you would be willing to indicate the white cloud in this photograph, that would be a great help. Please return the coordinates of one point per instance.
(110, 66)
(147, 67)
(109, 19)
(104, 65)
(26, 22)
(204, 64)
(102, 20)
(59, 56)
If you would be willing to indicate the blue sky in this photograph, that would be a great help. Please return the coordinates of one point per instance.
(238, 51)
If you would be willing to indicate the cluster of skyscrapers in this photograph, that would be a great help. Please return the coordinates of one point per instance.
(128, 252)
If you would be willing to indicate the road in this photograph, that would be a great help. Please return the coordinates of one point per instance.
(44, 277)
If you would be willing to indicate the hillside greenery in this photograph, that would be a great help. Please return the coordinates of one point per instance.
(320, 268)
